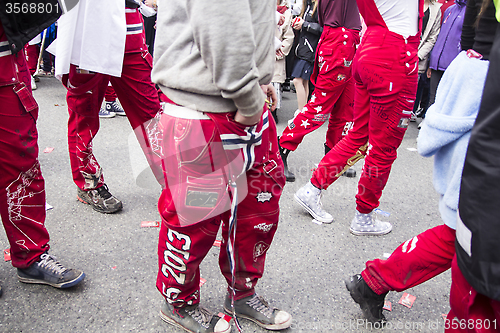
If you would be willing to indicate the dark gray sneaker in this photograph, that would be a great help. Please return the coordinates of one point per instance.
(370, 302)
(256, 309)
(100, 199)
(194, 318)
(49, 271)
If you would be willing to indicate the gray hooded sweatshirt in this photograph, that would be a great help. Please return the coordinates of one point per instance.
(212, 56)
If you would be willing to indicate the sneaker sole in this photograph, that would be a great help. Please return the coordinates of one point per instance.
(172, 322)
(97, 209)
(310, 211)
(370, 233)
(271, 327)
(62, 285)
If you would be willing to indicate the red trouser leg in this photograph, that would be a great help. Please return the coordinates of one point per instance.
(341, 116)
(413, 262)
(333, 94)
(474, 312)
(140, 101)
(109, 94)
(32, 57)
(22, 188)
(384, 95)
(184, 240)
(138, 95)
(83, 124)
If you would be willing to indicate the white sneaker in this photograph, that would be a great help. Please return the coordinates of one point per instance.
(365, 224)
(309, 197)
(33, 84)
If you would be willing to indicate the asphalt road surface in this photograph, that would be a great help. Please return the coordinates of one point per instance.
(306, 264)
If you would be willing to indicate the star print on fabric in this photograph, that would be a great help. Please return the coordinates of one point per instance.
(305, 123)
(318, 109)
(313, 99)
(323, 94)
(290, 134)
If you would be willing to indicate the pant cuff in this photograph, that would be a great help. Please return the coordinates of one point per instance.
(373, 283)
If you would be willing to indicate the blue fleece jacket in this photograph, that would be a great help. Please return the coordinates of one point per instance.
(446, 130)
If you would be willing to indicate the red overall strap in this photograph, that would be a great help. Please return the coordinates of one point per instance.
(368, 9)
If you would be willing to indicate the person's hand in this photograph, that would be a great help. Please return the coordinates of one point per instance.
(279, 54)
(281, 20)
(429, 72)
(271, 98)
(297, 23)
(150, 3)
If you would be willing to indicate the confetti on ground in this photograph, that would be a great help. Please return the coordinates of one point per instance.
(150, 224)
(387, 255)
(317, 222)
(48, 206)
(444, 316)
(407, 300)
(224, 316)
(202, 281)
(6, 254)
(387, 306)
(48, 150)
(412, 149)
(56, 104)
(217, 243)
(114, 267)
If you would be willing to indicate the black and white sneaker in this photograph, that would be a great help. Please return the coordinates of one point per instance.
(104, 113)
(114, 107)
(100, 199)
(256, 309)
(194, 318)
(370, 303)
(49, 271)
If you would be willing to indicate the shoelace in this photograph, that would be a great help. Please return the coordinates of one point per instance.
(104, 192)
(259, 304)
(51, 264)
(201, 315)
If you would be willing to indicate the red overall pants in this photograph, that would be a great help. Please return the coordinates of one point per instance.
(196, 199)
(110, 94)
(135, 90)
(385, 74)
(413, 262)
(470, 311)
(334, 89)
(22, 188)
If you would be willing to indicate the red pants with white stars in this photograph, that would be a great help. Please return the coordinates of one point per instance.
(333, 97)
(385, 74)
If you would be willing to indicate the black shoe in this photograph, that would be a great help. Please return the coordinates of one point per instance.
(100, 199)
(290, 177)
(115, 108)
(256, 309)
(49, 271)
(370, 303)
(349, 173)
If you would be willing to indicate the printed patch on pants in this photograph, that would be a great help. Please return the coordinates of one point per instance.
(291, 126)
(264, 196)
(321, 117)
(259, 249)
(264, 227)
(201, 199)
(341, 77)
